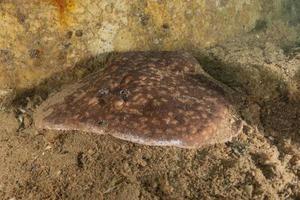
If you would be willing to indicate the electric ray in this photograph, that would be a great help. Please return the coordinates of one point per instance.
(152, 98)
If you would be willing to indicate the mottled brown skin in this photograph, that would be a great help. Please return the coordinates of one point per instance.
(153, 98)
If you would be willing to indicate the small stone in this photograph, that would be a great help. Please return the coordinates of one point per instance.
(58, 173)
(69, 34)
(78, 33)
(48, 147)
(165, 26)
(249, 190)
(119, 104)
(156, 41)
(34, 53)
(91, 152)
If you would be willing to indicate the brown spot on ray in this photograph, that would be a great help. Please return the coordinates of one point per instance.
(153, 98)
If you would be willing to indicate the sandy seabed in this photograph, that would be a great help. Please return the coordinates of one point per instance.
(263, 162)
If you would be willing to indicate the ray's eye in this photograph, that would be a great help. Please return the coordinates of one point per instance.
(124, 94)
(103, 92)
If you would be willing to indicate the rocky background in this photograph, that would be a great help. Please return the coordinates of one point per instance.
(41, 37)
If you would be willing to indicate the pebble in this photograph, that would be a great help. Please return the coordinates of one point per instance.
(119, 104)
(48, 147)
(249, 189)
(91, 152)
(78, 33)
(58, 173)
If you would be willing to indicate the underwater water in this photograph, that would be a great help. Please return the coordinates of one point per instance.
(251, 47)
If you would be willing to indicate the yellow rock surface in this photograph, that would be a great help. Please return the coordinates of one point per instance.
(40, 38)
